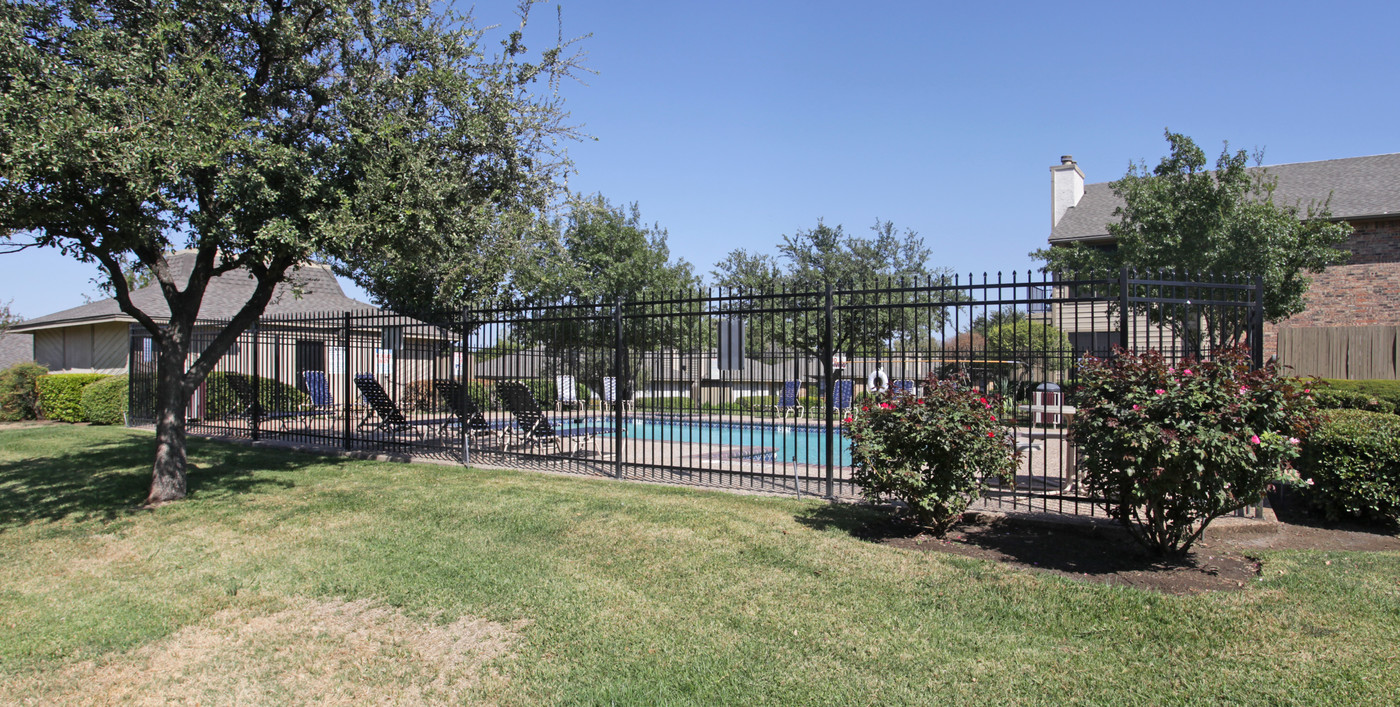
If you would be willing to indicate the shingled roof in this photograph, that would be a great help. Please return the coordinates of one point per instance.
(1360, 187)
(226, 294)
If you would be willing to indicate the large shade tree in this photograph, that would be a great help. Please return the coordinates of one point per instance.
(904, 298)
(392, 140)
(581, 266)
(1183, 218)
(886, 295)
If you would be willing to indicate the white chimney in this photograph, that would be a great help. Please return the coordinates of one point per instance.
(1066, 187)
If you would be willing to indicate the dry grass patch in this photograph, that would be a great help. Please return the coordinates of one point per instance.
(323, 652)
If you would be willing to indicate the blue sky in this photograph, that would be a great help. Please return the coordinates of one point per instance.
(733, 123)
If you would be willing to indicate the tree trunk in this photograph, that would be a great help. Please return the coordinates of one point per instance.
(168, 477)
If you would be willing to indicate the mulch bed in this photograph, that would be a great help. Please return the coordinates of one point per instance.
(1225, 559)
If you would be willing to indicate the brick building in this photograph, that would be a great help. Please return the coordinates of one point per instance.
(1351, 326)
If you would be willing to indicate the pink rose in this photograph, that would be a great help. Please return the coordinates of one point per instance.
(1254, 439)
(1186, 372)
(1137, 407)
(1292, 440)
(1161, 392)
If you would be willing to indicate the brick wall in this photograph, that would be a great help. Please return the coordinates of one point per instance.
(1364, 292)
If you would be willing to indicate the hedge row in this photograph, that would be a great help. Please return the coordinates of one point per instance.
(1352, 464)
(61, 395)
(1370, 395)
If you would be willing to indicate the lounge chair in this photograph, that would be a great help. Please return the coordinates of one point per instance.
(844, 396)
(532, 426)
(567, 390)
(787, 400)
(319, 388)
(390, 418)
(610, 395)
(904, 386)
(469, 414)
(242, 387)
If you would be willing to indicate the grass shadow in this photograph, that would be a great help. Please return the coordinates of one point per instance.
(109, 478)
(860, 520)
(1081, 548)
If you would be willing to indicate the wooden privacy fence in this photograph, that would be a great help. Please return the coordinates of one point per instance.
(1354, 352)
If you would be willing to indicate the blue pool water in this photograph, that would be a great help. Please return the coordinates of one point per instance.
(799, 443)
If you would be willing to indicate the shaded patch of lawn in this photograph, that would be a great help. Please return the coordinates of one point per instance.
(637, 594)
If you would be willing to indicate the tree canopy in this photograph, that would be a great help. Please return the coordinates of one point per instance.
(1034, 342)
(811, 259)
(583, 264)
(1182, 217)
(380, 135)
(599, 252)
(8, 317)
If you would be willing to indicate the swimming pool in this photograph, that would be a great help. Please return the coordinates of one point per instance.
(799, 443)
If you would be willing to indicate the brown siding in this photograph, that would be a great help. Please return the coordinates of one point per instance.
(111, 343)
(48, 349)
(1357, 353)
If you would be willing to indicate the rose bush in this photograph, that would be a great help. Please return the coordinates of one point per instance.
(932, 451)
(1169, 448)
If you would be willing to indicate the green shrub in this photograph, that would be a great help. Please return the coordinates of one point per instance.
(104, 402)
(1352, 464)
(759, 403)
(1381, 388)
(19, 391)
(482, 394)
(933, 452)
(1373, 395)
(1170, 448)
(665, 404)
(420, 396)
(61, 395)
(544, 389)
(1328, 399)
(222, 401)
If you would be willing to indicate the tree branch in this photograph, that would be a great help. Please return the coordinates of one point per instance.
(268, 278)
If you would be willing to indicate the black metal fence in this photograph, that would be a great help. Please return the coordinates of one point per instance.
(716, 387)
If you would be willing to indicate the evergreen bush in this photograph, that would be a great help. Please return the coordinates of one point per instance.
(19, 391)
(221, 401)
(105, 401)
(61, 395)
(1351, 464)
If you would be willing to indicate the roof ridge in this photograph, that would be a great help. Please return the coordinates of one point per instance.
(1281, 164)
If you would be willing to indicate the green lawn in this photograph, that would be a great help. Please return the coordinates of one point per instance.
(288, 577)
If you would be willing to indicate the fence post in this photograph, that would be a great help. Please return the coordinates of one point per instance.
(829, 366)
(1256, 323)
(257, 385)
(461, 381)
(346, 399)
(619, 387)
(1124, 340)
